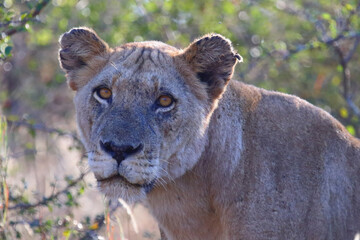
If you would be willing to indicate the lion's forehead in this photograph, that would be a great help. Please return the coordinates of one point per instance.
(143, 56)
(145, 69)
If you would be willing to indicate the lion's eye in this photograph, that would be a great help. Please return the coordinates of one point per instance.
(165, 101)
(104, 93)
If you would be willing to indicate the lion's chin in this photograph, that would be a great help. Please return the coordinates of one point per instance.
(117, 187)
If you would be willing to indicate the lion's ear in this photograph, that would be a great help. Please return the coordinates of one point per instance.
(82, 53)
(212, 58)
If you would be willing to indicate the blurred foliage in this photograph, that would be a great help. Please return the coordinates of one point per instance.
(302, 47)
(287, 45)
(12, 22)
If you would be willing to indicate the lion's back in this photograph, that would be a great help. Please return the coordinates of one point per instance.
(298, 165)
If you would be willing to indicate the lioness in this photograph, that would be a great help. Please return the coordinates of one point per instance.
(244, 163)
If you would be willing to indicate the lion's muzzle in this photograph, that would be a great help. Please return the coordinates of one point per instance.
(126, 163)
(120, 152)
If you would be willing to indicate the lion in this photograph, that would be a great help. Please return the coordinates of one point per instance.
(211, 157)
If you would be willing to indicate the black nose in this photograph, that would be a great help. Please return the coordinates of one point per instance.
(120, 152)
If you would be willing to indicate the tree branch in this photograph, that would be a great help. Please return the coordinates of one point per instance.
(309, 46)
(353, 50)
(345, 59)
(33, 13)
(353, 107)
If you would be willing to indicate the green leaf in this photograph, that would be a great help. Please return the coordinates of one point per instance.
(339, 68)
(326, 16)
(8, 50)
(336, 81)
(67, 233)
(29, 145)
(50, 208)
(228, 8)
(81, 190)
(343, 112)
(23, 16)
(351, 129)
(9, 15)
(44, 37)
(150, 6)
(333, 29)
(349, 7)
(13, 118)
(32, 132)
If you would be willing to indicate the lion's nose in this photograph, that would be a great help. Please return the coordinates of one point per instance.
(120, 152)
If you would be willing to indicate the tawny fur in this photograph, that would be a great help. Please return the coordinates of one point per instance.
(244, 163)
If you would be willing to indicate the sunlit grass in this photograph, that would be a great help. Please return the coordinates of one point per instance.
(4, 199)
(130, 213)
(3, 139)
(114, 223)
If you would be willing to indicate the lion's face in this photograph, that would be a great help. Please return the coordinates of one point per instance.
(137, 136)
(142, 111)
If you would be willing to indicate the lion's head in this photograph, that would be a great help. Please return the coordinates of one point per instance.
(143, 108)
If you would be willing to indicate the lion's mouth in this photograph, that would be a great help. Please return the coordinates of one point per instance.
(146, 186)
(113, 178)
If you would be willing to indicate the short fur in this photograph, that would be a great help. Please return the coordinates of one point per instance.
(244, 163)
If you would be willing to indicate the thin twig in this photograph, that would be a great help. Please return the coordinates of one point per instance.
(54, 196)
(353, 107)
(353, 50)
(43, 128)
(18, 22)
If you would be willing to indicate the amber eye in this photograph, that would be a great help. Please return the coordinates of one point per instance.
(165, 101)
(104, 93)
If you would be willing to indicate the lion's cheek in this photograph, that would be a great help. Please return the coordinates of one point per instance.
(183, 145)
(184, 157)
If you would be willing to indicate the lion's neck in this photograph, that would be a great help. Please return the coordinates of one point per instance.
(183, 208)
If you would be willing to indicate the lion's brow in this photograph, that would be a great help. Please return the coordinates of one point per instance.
(154, 55)
(138, 55)
(115, 77)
